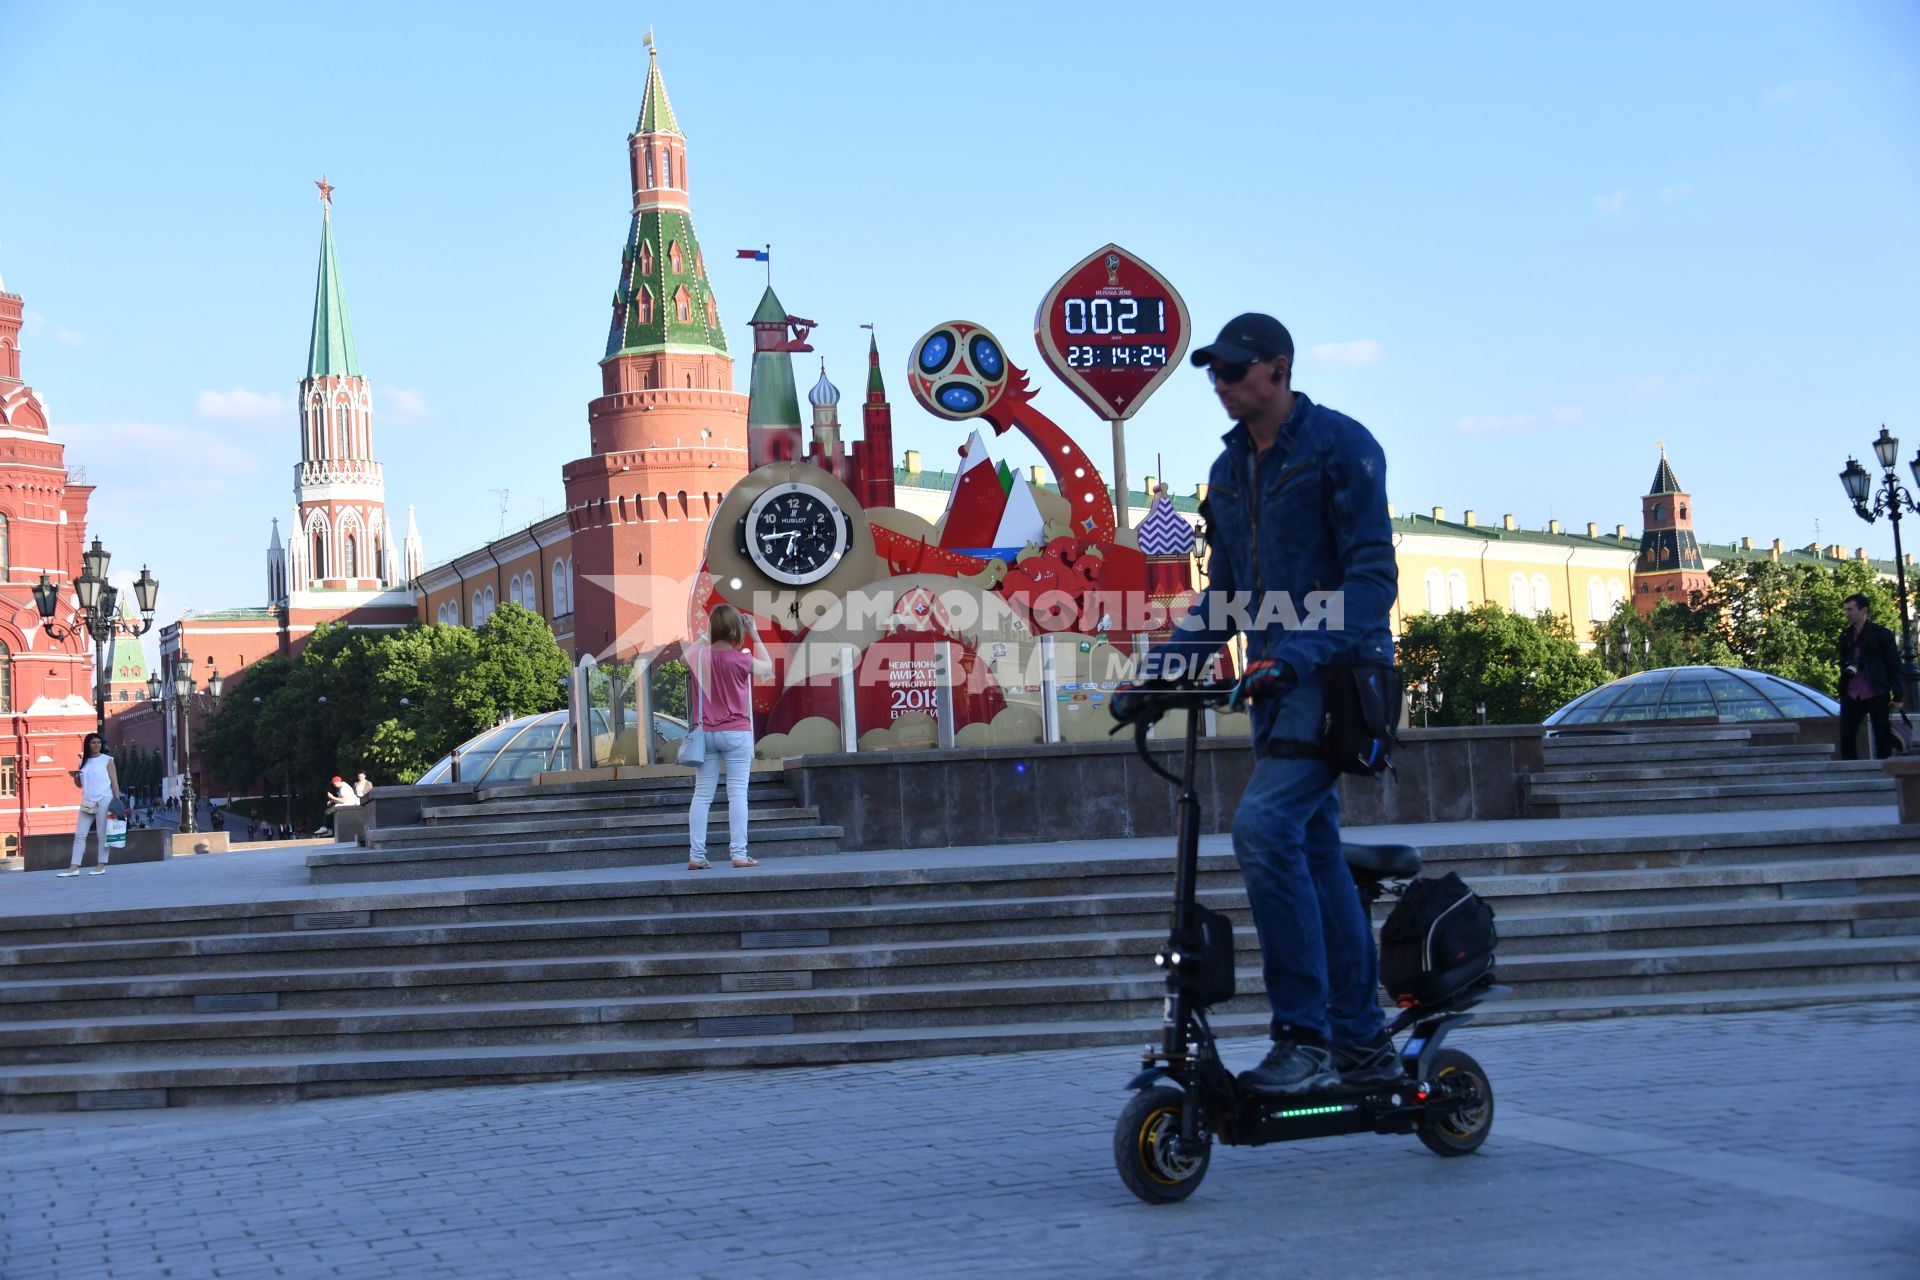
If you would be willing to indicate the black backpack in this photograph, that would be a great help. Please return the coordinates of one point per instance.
(1438, 941)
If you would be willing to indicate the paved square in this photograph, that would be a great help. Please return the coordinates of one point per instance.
(1759, 1145)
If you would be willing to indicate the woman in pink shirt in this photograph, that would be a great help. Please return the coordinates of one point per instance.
(723, 667)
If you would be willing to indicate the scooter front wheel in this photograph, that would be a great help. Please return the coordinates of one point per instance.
(1146, 1147)
(1460, 1131)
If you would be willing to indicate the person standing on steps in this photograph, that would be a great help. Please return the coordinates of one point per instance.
(721, 669)
(1869, 679)
(99, 784)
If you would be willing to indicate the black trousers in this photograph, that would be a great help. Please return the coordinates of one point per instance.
(1874, 711)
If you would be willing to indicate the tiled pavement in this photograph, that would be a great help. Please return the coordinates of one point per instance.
(1760, 1145)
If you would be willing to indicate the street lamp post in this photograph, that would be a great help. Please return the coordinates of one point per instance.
(98, 615)
(182, 688)
(1889, 498)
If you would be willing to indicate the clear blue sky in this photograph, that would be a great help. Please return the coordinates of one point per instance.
(1522, 243)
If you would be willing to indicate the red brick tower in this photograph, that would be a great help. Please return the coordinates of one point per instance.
(873, 454)
(669, 434)
(1669, 566)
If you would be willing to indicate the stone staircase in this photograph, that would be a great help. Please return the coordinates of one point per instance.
(572, 826)
(396, 989)
(1703, 769)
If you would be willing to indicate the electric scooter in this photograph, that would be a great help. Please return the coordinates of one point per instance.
(1185, 1098)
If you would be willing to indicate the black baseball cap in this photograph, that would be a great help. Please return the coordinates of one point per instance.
(1245, 339)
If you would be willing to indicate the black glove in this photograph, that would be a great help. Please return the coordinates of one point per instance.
(1131, 702)
(1263, 679)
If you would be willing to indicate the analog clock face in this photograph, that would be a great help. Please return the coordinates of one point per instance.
(795, 534)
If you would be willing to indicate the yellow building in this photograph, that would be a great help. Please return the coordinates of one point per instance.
(1446, 564)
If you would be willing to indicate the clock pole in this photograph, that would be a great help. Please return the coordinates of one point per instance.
(1119, 472)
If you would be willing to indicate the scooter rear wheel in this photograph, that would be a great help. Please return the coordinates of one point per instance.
(1143, 1147)
(1459, 1132)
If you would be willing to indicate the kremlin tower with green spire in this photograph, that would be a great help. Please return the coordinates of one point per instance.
(341, 539)
(668, 435)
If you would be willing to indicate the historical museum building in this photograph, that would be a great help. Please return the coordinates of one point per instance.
(46, 685)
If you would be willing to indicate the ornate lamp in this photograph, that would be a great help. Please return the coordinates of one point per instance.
(156, 688)
(97, 558)
(46, 597)
(1856, 481)
(1887, 448)
(146, 589)
(87, 587)
(183, 677)
(214, 682)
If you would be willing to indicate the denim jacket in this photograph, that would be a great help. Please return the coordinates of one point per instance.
(1309, 515)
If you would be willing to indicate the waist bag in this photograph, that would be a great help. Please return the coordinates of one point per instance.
(1438, 940)
(1362, 709)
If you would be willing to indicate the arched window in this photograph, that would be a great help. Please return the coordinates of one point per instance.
(530, 591)
(559, 593)
(1542, 595)
(1517, 598)
(453, 612)
(513, 592)
(1436, 588)
(319, 553)
(353, 556)
(646, 305)
(343, 427)
(1456, 589)
(1596, 600)
(675, 262)
(1683, 511)
(649, 166)
(646, 258)
(666, 157)
(1659, 512)
(6, 679)
(683, 309)
(488, 600)
(1616, 592)
(6, 550)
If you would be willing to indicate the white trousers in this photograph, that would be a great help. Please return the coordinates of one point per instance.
(735, 748)
(97, 823)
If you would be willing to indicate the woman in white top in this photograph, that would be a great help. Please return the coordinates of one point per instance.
(99, 783)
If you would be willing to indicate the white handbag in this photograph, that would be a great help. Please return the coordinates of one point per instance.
(693, 747)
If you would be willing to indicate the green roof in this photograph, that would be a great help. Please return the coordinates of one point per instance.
(232, 615)
(656, 113)
(645, 311)
(129, 659)
(873, 367)
(1496, 533)
(331, 349)
(772, 398)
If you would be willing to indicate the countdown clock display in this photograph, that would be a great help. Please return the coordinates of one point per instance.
(1113, 329)
(795, 533)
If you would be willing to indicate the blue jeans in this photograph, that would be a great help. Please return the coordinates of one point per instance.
(1316, 943)
(734, 748)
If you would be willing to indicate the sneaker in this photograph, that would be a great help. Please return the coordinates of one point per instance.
(1290, 1068)
(698, 862)
(70, 871)
(742, 860)
(1374, 1062)
(100, 871)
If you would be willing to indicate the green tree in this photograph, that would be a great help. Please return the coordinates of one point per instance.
(1522, 668)
(389, 704)
(1759, 614)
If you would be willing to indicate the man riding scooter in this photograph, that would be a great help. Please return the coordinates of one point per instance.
(1297, 507)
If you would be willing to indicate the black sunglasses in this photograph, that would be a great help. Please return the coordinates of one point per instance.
(1228, 373)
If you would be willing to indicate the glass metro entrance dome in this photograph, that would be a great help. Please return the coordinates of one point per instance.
(1686, 693)
(535, 744)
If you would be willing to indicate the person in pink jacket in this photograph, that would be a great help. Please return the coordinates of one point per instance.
(723, 667)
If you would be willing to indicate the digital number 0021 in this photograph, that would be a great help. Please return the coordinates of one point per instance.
(1114, 315)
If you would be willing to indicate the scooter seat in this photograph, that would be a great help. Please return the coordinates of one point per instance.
(1385, 861)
